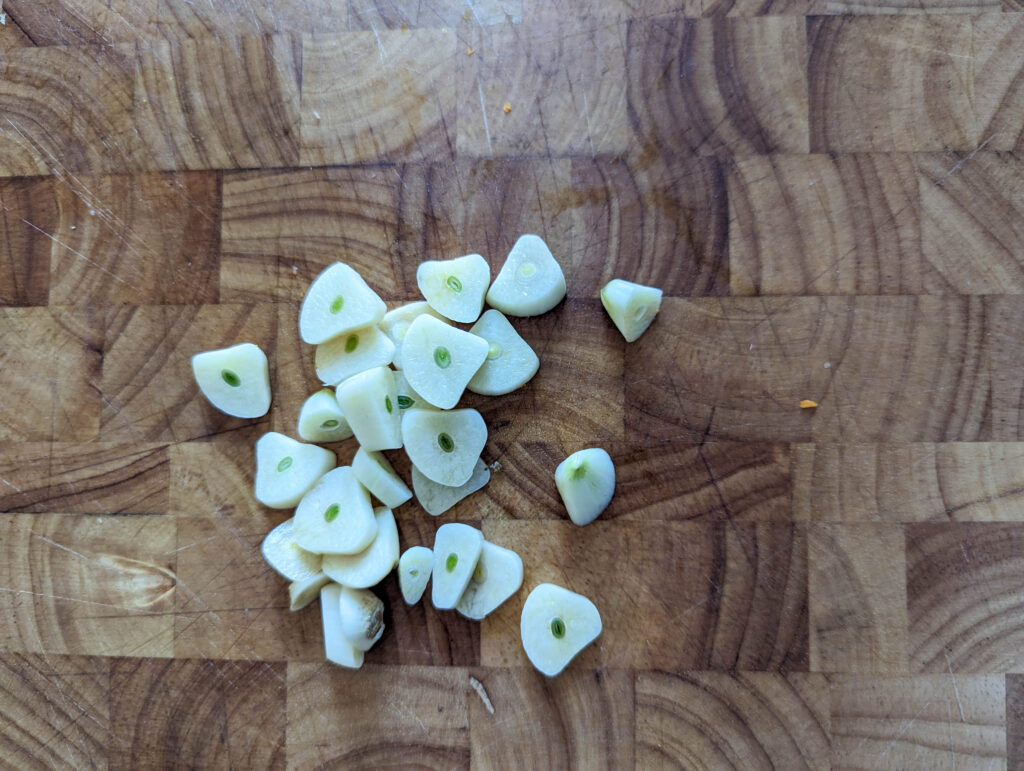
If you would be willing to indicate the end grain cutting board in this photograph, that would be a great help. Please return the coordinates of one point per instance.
(831, 195)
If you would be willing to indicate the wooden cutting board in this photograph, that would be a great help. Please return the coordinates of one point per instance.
(834, 207)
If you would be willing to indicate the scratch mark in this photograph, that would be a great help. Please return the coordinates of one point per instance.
(380, 46)
(78, 253)
(483, 111)
(590, 129)
(964, 160)
(475, 16)
(62, 546)
(956, 688)
(482, 693)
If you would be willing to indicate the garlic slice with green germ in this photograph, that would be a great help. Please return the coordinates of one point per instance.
(321, 419)
(455, 288)
(586, 482)
(457, 548)
(235, 380)
(370, 402)
(335, 517)
(557, 624)
(444, 445)
(408, 398)
(510, 362)
(286, 470)
(338, 301)
(372, 565)
(396, 323)
(351, 353)
(439, 360)
(530, 282)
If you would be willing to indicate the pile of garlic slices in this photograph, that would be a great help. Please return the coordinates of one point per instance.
(393, 380)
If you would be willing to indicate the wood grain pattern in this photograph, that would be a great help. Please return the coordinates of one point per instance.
(925, 722)
(700, 574)
(229, 603)
(108, 584)
(28, 212)
(357, 118)
(155, 241)
(50, 366)
(414, 716)
(413, 14)
(84, 22)
(739, 368)
(660, 224)
(752, 101)
(281, 229)
(723, 720)
(96, 478)
(963, 590)
(828, 193)
(576, 82)
(1014, 720)
(857, 586)
(887, 84)
(971, 221)
(66, 109)
(820, 224)
(171, 712)
(597, 705)
(55, 710)
(208, 103)
(961, 482)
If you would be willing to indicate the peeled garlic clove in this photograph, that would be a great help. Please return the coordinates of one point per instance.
(286, 557)
(439, 360)
(497, 576)
(444, 445)
(557, 624)
(456, 550)
(436, 499)
(235, 380)
(586, 482)
(414, 570)
(286, 470)
(362, 617)
(351, 353)
(301, 593)
(372, 565)
(321, 419)
(338, 301)
(337, 647)
(335, 517)
(378, 476)
(455, 288)
(530, 282)
(631, 306)
(510, 362)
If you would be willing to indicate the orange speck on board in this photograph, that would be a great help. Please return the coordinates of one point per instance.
(507, 108)
(807, 404)
(470, 51)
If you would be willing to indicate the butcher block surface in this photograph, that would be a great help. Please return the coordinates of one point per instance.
(829, 192)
